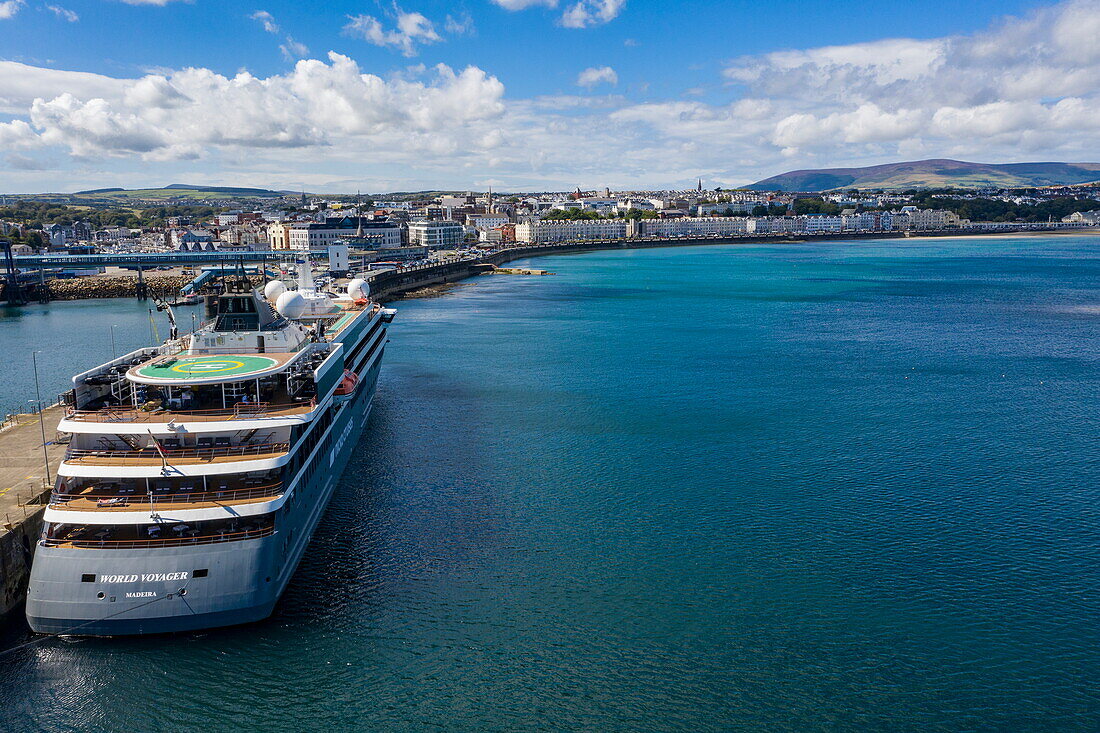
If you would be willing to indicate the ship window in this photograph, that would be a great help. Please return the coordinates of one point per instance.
(201, 573)
(87, 578)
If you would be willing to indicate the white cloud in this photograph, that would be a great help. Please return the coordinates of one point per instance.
(20, 84)
(577, 13)
(974, 93)
(587, 13)
(9, 8)
(459, 25)
(1026, 88)
(159, 3)
(412, 29)
(17, 134)
(292, 50)
(524, 4)
(63, 13)
(317, 104)
(594, 75)
(266, 19)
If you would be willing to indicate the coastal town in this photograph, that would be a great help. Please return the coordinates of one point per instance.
(403, 229)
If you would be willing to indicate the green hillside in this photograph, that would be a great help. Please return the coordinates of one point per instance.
(938, 173)
(174, 192)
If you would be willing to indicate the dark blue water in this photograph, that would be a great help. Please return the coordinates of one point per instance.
(844, 486)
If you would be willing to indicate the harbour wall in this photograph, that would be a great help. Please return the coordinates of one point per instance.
(115, 286)
(24, 492)
(17, 544)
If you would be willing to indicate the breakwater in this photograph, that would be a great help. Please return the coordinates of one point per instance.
(115, 286)
(121, 286)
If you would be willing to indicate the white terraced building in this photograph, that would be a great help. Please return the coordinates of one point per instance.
(777, 225)
(913, 218)
(823, 224)
(701, 226)
(566, 231)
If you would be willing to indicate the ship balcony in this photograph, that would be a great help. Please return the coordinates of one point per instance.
(168, 494)
(164, 534)
(161, 414)
(208, 450)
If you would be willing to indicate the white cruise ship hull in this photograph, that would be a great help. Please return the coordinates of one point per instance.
(114, 592)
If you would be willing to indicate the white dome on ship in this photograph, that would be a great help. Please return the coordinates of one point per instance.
(291, 304)
(274, 289)
(358, 288)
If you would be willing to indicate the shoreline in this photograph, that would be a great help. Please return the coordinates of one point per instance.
(397, 284)
(426, 281)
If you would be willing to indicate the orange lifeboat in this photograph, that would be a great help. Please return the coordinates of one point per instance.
(347, 384)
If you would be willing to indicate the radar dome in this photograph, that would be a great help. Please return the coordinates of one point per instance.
(274, 289)
(358, 288)
(291, 304)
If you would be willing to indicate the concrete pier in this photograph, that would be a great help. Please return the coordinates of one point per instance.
(24, 492)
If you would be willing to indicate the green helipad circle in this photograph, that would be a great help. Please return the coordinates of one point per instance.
(199, 367)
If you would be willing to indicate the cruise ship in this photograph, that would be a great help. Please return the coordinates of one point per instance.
(198, 470)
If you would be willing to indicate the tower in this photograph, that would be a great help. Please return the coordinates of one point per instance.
(700, 189)
(358, 215)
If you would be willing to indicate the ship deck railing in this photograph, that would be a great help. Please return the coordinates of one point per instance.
(239, 411)
(191, 455)
(94, 542)
(95, 498)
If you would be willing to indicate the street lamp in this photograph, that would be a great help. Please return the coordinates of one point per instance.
(41, 417)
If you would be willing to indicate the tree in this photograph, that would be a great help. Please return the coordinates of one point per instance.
(759, 210)
(815, 206)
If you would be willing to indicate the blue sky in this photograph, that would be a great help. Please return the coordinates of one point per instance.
(531, 94)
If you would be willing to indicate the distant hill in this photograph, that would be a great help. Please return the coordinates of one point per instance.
(226, 189)
(937, 173)
(177, 191)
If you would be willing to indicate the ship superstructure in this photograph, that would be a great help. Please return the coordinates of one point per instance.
(198, 469)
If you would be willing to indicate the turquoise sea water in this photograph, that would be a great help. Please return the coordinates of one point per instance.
(844, 486)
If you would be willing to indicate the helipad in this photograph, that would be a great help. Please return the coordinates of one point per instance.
(191, 369)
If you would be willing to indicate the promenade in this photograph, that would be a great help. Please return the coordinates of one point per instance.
(23, 493)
